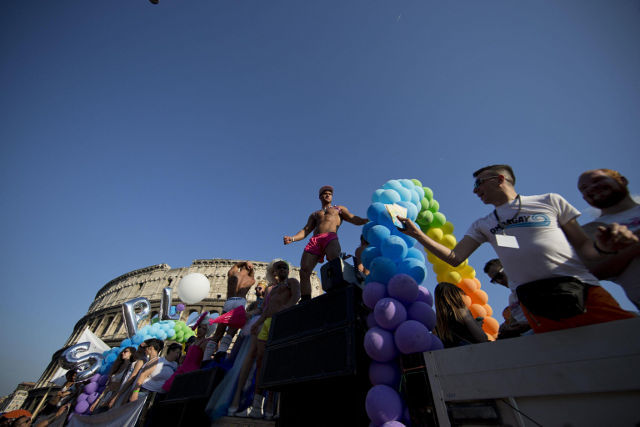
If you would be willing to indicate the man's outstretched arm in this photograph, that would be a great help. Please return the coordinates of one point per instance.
(454, 257)
(306, 230)
(353, 219)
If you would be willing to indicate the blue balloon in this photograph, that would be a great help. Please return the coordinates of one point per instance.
(389, 197)
(366, 228)
(126, 342)
(420, 192)
(415, 253)
(405, 195)
(369, 254)
(394, 248)
(410, 241)
(172, 310)
(413, 268)
(412, 212)
(376, 195)
(382, 269)
(392, 184)
(415, 198)
(377, 234)
(407, 183)
(137, 338)
(374, 211)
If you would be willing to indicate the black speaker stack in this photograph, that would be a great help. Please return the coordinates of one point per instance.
(185, 403)
(315, 357)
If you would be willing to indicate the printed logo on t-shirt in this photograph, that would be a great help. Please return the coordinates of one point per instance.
(534, 220)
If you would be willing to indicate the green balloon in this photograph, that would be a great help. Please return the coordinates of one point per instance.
(424, 218)
(424, 203)
(434, 206)
(179, 336)
(438, 220)
(416, 182)
(428, 193)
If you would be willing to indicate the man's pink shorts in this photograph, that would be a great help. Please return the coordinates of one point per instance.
(318, 243)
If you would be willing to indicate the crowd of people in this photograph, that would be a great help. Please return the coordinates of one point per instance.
(550, 264)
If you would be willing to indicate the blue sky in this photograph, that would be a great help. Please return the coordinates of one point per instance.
(135, 134)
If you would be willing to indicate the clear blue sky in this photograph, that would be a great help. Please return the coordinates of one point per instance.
(135, 134)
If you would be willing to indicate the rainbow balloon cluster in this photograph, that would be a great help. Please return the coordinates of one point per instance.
(402, 317)
(166, 329)
(435, 225)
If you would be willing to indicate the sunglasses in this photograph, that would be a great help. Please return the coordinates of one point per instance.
(480, 181)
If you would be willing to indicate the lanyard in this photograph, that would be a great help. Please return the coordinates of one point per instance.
(495, 213)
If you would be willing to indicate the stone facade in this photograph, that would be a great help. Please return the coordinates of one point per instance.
(16, 399)
(104, 317)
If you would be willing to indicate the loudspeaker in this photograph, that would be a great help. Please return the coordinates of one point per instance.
(194, 384)
(322, 313)
(336, 401)
(316, 340)
(336, 274)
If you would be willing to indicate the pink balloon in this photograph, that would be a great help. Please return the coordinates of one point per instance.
(403, 288)
(379, 345)
(389, 313)
(412, 337)
(372, 293)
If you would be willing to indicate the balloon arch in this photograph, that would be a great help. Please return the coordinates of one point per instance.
(402, 320)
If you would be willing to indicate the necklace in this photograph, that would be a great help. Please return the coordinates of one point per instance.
(495, 213)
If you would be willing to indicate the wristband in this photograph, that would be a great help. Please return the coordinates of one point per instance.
(600, 251)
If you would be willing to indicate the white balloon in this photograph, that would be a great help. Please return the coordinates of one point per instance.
(193, 288)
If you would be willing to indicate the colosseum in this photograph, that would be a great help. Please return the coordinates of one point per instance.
(104, 317)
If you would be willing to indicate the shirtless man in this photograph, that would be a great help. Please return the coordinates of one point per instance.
(324, 225)
(239, 280)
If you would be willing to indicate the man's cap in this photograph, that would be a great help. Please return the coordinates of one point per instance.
(325, 188)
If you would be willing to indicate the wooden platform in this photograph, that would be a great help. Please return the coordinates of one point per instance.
(242, 422)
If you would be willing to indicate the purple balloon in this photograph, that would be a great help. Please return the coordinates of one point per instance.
(103, 379)
(383, 404)
(371, 321)
(90, 388)
(425, 296)
(403, 288)
(384, 373)
(379, 345)
(436, 344)
(393, 424)
(424, 314)
(92, 397)
(412, 337)
(389, 313)
(372, 293)
(382, 269)
(82, 396)
(95, 378)
(81, 407)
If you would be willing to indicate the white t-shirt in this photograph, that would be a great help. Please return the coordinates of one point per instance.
(161, 373)
(544, 250)
(629, 279)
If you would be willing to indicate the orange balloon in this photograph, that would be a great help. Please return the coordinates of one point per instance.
(467, 300)
(478, 284)
(488, 309)
(479, 297)
(477, 310)
(468, 286)
(490, 325)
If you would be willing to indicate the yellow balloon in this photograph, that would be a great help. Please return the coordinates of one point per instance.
(449, 240)
(435, 233)
(441, 268)
(442, 278)
(468, 272)
(453, 277)
(447, 228)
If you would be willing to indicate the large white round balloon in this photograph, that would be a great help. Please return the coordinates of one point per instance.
(193, 288)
